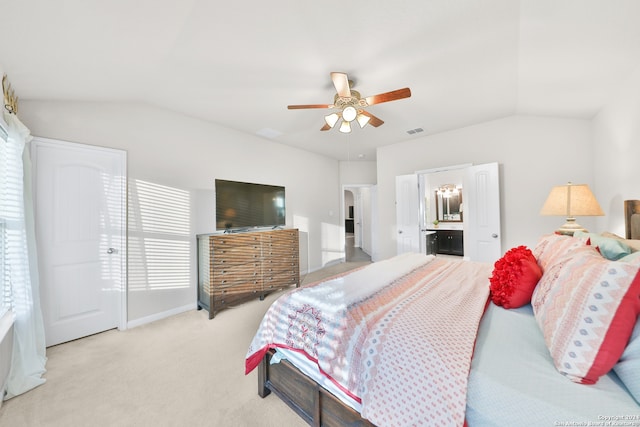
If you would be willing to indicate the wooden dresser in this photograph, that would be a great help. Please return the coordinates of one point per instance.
(236, 267)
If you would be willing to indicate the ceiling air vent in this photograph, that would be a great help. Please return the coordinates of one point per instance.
(416, 130)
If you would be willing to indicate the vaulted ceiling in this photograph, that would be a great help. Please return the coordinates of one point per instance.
(239, 64)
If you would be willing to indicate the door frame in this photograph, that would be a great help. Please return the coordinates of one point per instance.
(421, 186)
(48, 142)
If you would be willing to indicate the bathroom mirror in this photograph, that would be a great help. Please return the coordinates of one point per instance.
(449, 204)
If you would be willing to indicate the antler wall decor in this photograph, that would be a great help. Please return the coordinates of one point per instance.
(10, 98)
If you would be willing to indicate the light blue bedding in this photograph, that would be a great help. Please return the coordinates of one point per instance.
(513, 380)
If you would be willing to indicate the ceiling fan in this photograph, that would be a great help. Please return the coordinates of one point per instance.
(352, 105)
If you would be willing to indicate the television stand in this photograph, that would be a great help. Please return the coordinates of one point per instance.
(237, 267)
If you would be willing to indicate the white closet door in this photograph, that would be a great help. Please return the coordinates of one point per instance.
(81, 233)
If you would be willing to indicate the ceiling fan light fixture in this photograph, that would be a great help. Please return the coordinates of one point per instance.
(345, 127)
(362, 119)
(349, 114)
(350, 105)
(332, 119)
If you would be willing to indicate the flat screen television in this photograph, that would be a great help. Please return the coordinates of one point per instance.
(241, 205)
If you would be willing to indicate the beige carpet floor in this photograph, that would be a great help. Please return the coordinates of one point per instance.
(185, 370)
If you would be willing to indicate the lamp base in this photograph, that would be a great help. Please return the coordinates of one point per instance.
(570, 227)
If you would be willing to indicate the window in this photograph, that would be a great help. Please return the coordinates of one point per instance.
(16, 292)
(5, 179)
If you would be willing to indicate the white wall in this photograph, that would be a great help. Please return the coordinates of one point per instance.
(357, 172)
(170, 149)
(616, 132)
(367, 198)
(534, 153)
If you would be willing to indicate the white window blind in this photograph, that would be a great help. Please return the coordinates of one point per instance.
(7, 185)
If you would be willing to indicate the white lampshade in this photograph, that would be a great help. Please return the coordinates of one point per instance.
(345, 127)
(571, 200)
(331, 119)
(362, 119)
(349, 114)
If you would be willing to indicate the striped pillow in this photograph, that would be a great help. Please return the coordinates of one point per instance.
(550, 247)
(587, 307)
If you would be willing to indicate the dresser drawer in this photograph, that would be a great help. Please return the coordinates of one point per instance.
(279, 264)
(280, 279)
(229, 251)
(280, 235)
(276, 251)
(236, 273)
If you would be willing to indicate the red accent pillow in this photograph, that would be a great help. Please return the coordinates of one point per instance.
(514, 278)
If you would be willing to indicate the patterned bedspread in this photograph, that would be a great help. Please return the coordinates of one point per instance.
(397, 336)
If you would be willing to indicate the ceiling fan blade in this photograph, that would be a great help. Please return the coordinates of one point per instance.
(388, 96)
(300, 107)
(325, 127)
(341, 82)
(373, 120)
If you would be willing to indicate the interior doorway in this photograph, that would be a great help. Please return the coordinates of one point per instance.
(478, 221)
(358, 222)
(80, 199)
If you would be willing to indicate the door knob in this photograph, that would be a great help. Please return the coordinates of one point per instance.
(111, 250)
(494, 235)
(399, 231)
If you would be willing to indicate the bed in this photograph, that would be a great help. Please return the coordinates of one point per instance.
(548, 336)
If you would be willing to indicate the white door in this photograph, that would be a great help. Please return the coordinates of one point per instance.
(407, 213)
(79, 194)
(482, 213)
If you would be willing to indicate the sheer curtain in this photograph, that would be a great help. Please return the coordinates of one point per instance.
(20, 276)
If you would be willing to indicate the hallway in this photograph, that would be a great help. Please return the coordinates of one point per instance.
(353, 254)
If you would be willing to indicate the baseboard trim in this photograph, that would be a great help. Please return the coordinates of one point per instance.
(159, 316)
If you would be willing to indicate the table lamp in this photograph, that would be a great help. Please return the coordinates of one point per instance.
(571, 200)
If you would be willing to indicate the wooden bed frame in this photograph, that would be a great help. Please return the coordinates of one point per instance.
(306, 397)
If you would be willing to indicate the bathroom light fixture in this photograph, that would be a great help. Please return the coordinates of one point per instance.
(447, 190)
